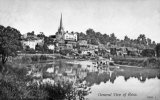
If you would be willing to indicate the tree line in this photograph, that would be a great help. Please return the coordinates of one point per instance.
(149, 48)
(142, 42)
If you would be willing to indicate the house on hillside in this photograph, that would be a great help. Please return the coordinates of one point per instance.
(93, 47)
(88, 52)
(70, 36)
(83, 43)
(31, 40)
(132, 51)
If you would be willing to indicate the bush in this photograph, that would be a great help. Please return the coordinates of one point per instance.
(8, 91)
(148, 53)
(34, 58)
(113, 51)
(12, 88)
(151, 63)
(43, 57)
(65, 52)
(25, 59)
(29, 50)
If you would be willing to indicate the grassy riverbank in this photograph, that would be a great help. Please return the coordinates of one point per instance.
(140, 62)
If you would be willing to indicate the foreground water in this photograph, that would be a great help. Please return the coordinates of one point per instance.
(132, 89)
(123, 83)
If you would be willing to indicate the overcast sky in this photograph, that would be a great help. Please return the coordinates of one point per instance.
(122, 17)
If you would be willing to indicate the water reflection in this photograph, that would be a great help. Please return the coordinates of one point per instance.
(85, 75)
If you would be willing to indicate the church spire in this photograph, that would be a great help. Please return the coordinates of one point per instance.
(61, 21)
(61, 30)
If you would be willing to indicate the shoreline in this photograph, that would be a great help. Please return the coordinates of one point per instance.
(151, 62)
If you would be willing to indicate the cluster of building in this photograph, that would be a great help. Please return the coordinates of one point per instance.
(31, 40)
(64, 40)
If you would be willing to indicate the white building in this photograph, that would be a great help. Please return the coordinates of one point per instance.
(85, 52)
(51, 46)
(32, 43)
(70, 36)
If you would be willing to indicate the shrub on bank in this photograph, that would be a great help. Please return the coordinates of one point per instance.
(25, 59)
(151, 63)
(43, 57)
(128, 61)
(35, 58)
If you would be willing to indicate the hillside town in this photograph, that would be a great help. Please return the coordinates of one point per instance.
(70, 43)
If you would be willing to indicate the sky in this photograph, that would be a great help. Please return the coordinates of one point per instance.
(122, 17)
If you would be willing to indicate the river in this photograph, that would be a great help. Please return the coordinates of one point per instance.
(122, 83)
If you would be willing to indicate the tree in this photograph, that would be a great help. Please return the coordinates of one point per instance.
(93, 41)
(126, 38)
(81, 36)
(157, 48)
(153, 45)
(127, 41)
(41, 35)
(90, 33)
(149, 42)
(9, 42)
(142, 39)
(38, 48)
(113, 51)
(113, 38)
(30, 33)
(106, 38)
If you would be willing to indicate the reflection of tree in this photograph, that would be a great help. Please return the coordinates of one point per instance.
(140, 74)
(158, 76)
(65, 90)
(143, 78)
(113, 77)
(126, 78)
(57, 92)
(94, 77)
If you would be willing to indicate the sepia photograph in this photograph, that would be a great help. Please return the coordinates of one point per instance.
(79, 49)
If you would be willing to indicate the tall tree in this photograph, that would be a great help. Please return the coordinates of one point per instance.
(113, 38)
(126, 38)
(157, 48)
(82, 36)
(142, 39)
(127, 41)
(149, 42)
(9, 42)
(41, 35)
